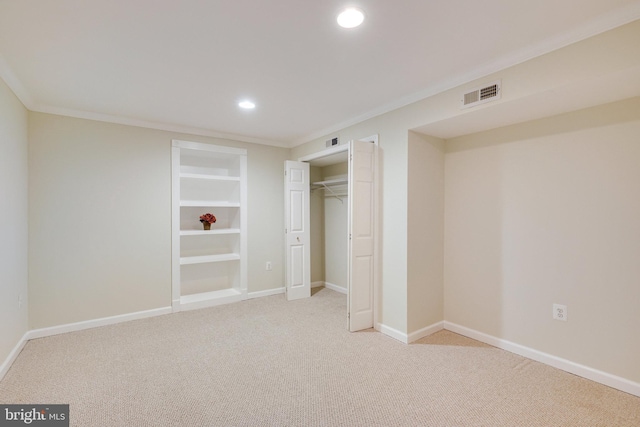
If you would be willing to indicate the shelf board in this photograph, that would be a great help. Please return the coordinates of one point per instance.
(209, 177)
(209, 204)
(208, 299)
(331, 182)
(208, 258)
(338, 181)
(204, 232)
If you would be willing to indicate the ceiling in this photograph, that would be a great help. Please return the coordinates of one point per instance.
(184, 65)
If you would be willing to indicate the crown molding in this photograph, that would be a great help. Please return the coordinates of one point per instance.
(24, 96)
(606, 22)
(169, 127)
(16, 86)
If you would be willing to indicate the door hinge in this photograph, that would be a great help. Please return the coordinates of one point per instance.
(348, 315)
(349, 236)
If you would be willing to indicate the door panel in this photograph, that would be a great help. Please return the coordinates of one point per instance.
(362, 297)
(297, 233)
(297, 266)
(363, 197)
(297, 211)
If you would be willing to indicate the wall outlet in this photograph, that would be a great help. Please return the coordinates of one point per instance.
(560, 312)
(268, 266)
(20, 301)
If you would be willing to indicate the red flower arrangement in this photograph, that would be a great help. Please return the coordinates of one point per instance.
(208, 218)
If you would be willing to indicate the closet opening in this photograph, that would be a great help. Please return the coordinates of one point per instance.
(338, 248)
(329, 212)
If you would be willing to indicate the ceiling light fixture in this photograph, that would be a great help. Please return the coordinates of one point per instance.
(350, 18)
(247, 105)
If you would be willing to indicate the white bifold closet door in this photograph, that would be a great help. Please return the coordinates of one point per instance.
(361, 226)
(297, 233)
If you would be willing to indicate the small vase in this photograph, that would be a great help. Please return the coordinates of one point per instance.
(206, 225)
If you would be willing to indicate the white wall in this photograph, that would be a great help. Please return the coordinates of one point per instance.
(13, 221)
(100, 218)
(548, 212)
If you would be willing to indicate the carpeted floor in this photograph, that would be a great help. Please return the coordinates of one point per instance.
(269, 362)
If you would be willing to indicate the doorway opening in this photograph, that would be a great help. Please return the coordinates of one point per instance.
(344, 247)
(329, 204)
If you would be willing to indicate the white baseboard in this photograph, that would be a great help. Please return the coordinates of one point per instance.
(4, 368)
(78, 326)
(426, 331)
(335, 288)
(329, 285)
(393, 333)
(601, 377)
(267, 293)
(413, 336)
(88, 324)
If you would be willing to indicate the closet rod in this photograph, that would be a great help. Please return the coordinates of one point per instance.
(330, 182)
(326, 185)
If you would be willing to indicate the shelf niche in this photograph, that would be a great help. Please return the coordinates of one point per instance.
(209, 267)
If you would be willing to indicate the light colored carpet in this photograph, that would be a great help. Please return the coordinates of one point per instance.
(269, 362)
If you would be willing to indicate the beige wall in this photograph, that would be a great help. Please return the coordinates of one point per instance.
(265, 213)
(425, 239)
(336, 216)
(328, 230)
(547, 212)
(316, 201)
(13, 221)
(100, 218)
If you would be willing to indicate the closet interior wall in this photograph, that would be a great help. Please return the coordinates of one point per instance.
(329, 222)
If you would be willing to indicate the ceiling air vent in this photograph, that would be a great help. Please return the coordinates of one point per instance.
(481, 95)
(331, 142)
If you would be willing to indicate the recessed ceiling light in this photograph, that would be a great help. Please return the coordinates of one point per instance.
(247, 105)
(350, 18)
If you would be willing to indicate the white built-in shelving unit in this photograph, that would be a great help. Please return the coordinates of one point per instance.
(208, 266)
